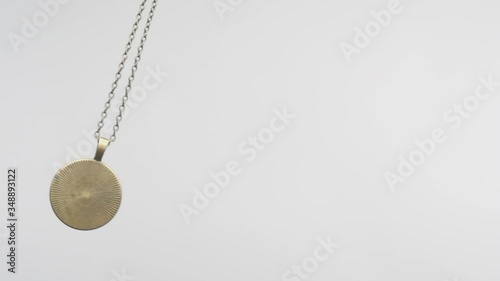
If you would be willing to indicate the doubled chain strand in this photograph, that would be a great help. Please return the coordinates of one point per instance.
(131, 78)
(116, 127)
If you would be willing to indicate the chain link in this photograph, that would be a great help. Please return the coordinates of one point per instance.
(131, 78)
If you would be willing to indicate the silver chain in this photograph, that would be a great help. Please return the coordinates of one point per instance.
(111, 94)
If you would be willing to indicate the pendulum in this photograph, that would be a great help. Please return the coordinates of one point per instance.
(86, 194)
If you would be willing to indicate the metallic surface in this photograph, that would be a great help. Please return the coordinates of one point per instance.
(131, 78)
(85, 194)
(101, 148)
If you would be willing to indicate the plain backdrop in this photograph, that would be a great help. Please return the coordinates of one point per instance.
(322, 176)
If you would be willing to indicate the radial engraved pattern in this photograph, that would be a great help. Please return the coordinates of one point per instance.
(85, 194)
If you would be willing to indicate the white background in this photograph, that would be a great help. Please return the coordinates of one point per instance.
(322, 176)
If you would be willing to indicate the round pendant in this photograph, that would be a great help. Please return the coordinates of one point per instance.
(85, 194)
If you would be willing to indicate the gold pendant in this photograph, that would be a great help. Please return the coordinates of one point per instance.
(86, 194)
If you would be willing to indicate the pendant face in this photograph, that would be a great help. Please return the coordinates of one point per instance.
(85, 194)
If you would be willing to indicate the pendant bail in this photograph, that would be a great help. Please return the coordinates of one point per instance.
(101, 148)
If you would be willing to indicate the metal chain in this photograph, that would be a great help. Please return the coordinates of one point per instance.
(111, 94)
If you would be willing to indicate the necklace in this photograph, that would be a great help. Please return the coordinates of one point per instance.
(86, 194)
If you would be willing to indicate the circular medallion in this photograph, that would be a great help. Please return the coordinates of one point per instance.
(85, 194)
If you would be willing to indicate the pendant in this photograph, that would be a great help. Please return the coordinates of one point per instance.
(86, 194)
